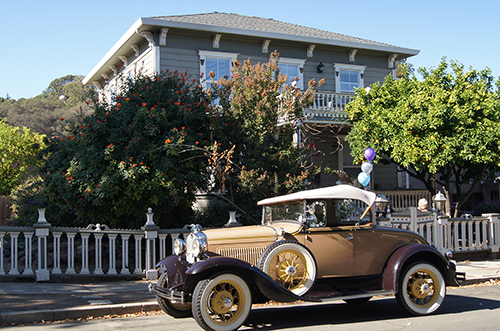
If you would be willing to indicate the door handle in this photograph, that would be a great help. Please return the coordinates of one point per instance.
(350, 237)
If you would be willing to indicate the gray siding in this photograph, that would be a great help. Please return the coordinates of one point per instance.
(181, 53)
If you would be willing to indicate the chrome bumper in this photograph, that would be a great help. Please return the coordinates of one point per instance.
(169, 294)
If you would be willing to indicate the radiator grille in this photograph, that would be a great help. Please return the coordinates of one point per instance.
(247, 254)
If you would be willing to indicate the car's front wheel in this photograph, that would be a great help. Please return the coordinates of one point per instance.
(289, 264)
(421, 289)
(174, 309)
(221, 303)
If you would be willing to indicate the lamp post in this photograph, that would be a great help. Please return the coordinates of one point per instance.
(440, 221)
(439, 201)
(381, 202)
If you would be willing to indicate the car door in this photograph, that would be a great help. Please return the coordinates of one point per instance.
(333, 249)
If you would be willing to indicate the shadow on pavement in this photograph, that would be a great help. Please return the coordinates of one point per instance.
(275, 318)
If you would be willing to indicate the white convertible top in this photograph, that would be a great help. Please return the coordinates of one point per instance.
(331, 192)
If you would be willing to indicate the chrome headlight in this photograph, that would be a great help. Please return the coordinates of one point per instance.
(198, 247)
(179, 246)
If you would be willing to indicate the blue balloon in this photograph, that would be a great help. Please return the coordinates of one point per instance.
(363, 178)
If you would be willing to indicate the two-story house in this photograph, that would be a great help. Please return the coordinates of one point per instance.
(202, 43)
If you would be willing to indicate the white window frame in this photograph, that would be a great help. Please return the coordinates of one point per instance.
(351, 67)
(206, 80)
(298, 62)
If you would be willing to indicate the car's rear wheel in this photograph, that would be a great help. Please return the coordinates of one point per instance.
(221, 303)
(421, 289)
(174, 309)
(289, 264)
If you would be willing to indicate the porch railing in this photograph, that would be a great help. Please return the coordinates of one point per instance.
(403, 199)
(42, 250)
(453, 234)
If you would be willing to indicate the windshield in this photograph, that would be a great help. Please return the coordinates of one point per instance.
(287, 212)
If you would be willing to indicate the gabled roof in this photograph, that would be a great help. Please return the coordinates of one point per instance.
(224, 23)
(255, 24)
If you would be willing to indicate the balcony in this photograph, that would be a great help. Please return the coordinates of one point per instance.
(329, 107)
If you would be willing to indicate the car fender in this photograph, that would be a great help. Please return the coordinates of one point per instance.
(409, 254)
(254, 277)
(175, 268)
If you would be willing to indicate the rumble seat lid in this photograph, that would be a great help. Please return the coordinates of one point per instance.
(331, 192)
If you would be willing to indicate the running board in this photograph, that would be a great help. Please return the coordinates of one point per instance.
(354, 296)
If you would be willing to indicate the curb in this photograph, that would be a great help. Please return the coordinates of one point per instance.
(50, 315)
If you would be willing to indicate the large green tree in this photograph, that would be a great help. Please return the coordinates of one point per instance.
(259, 111)
(443, 129)
(144, 149)
(18, 151)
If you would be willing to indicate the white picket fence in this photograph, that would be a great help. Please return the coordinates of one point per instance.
(68, 251)
(453, 234)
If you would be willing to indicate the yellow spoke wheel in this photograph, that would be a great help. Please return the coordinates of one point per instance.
(289, 264)
(221, 303)
(422, 289)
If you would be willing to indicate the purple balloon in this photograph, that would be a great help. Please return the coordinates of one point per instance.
(370, 154)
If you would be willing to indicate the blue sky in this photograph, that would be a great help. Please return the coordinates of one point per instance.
(45, 40)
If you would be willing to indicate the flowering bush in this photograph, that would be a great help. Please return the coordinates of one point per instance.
(143, 149)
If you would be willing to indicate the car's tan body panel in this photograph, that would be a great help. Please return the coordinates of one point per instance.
(341, 251)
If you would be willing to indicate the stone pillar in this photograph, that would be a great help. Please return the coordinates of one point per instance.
(42, 229)
(151, 234)
(494, 232)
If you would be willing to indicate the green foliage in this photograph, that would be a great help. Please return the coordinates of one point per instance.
(258, 113)
(446, 125)
(146, 149)
(64, 98)
(28, 197)
(18, 150)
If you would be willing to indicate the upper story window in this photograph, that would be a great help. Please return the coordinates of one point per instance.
(348, 77)
(218, 62)
(293, 68)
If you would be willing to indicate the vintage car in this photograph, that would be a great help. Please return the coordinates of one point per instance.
(316, 245)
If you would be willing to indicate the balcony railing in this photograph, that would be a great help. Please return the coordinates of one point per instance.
(329, 106)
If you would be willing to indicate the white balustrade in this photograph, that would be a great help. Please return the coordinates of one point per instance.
(112, 253)
(28, 249)
(457, 234)
(13, 253)
(57, 253)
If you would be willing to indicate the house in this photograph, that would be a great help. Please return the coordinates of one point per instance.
(202, 43)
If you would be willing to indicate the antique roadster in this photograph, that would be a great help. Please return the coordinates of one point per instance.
(316, 245)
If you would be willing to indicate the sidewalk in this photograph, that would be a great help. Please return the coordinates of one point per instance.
(23, 303)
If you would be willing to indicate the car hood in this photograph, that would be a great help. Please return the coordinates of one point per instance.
(252, 232)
